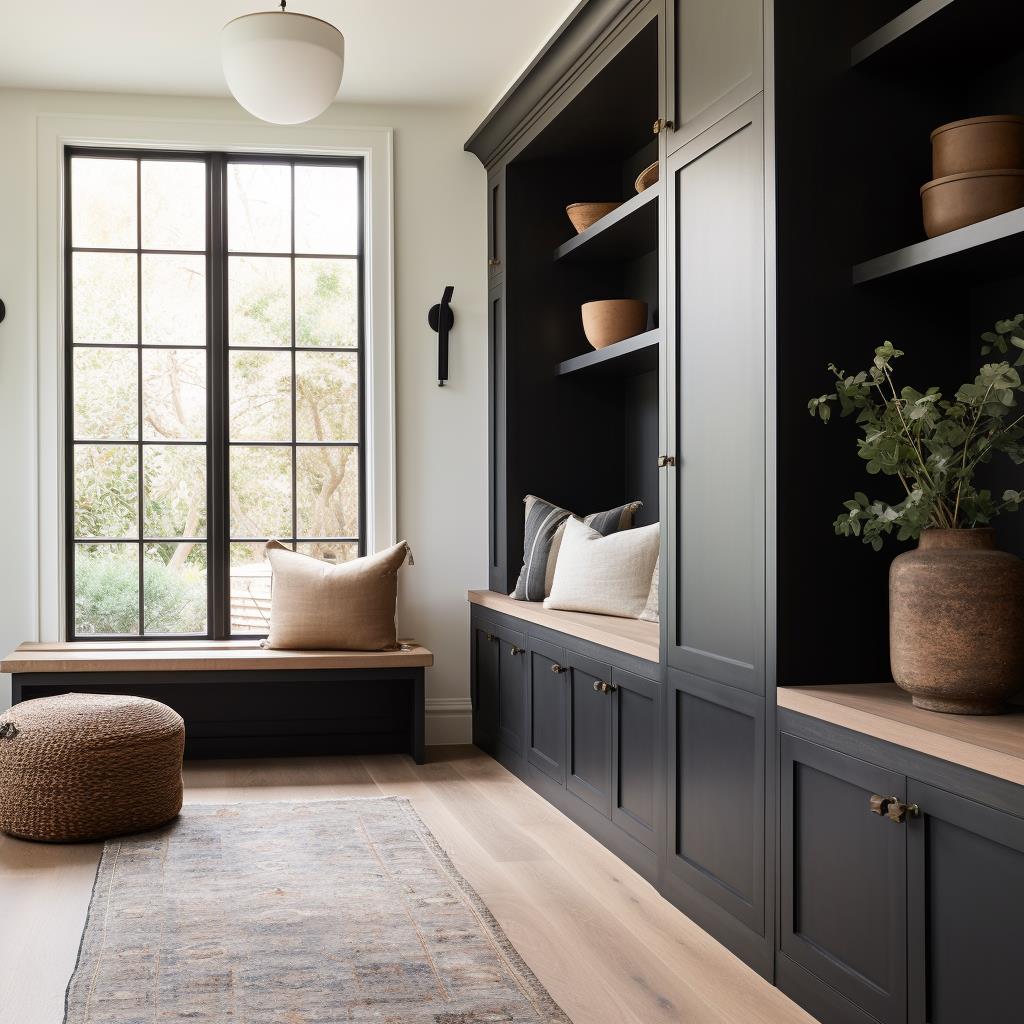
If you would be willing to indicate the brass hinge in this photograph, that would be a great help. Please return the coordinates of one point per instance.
(494, 262)
(660, 125)
(666, 460)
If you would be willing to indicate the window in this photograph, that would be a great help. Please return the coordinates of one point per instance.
(214, 383)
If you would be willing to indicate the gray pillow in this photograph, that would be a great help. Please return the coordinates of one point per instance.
(545, 524)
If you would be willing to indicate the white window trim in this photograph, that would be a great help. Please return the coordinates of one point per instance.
(53, 133)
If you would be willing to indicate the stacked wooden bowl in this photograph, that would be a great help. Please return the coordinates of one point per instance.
(978, 168)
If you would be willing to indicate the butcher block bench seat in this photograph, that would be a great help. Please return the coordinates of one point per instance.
(240, 700)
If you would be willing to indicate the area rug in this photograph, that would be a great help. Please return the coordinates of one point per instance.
(328, 912)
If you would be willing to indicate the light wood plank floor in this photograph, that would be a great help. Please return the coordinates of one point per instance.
(608, 948)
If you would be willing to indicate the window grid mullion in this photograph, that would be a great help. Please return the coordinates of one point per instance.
(138, 399)
(295, 383)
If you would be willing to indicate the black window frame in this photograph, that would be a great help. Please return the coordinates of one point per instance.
(218, 540)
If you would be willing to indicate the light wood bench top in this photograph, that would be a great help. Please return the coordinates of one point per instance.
(198, 656)
(993, 744)
(629, 636)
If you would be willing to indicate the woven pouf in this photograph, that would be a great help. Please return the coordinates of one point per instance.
(87, 766)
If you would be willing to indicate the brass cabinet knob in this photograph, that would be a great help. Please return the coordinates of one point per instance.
(557, 668)
(494, 262)
(491, 637)
(515, 650)
(602, 687)
(899, 812)
(666, 460)
(660, 125)
(880, 804)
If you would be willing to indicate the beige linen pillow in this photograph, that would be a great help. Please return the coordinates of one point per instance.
(651, 612)
(315, 605)
(608, 575)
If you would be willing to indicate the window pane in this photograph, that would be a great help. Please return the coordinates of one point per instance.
(327, 492)
(261, 396)
(250, 589)
(326, 304)
(259, 207)
(173, 394)
(327, 396)
(330, 551)
(261, 492)
(105, 386)
(103, 203)
(174, 495)
(326, 210)
(106, 588)
(174, 588)
(173, 300)
(106, 490)
(260, 300)
(173, 205)
(104, 299)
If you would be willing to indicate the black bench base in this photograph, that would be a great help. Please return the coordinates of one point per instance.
(268, 714)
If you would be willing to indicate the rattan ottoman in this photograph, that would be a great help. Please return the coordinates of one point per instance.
(85, 766)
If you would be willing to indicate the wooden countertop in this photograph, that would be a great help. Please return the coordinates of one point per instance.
(198, 655)
(629, 636)
(993, 744)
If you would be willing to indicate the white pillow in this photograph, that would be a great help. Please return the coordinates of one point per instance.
(608, 575)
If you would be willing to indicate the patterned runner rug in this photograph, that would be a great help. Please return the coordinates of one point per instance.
(327, 912)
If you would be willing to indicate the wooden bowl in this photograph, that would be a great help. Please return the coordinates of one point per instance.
(610, 320)
(647, 177)
(585, 215)
(961, 199)
(991, 143)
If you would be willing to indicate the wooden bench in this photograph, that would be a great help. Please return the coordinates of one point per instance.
(239, 700)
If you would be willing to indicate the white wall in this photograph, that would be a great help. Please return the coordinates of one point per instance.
(440, 238)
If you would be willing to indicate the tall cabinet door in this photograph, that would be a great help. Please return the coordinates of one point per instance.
(966, 905)
(719, 61)
(844, 871)
(715, 620)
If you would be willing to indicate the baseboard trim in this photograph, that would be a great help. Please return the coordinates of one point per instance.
(449, 720)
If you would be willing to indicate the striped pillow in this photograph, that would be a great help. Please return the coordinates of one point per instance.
(545, 524)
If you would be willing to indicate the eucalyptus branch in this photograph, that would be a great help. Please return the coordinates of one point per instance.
(931, 445)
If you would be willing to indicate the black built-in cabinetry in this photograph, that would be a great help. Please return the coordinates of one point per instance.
(783, 234)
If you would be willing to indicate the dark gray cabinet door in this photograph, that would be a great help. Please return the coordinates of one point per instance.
(589, 732)
(486, 651)
(716, 795)
(714, 621)
(966, 905)
(512, 665)
(844, 872)
(719, 57)
(545, 712)
(636, 727)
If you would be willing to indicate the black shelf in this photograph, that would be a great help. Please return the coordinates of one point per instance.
(944, 35)
(638, 354)
(990, 248)
(625, 233)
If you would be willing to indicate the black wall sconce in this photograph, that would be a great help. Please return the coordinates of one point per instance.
(3, 311)
(441, 319)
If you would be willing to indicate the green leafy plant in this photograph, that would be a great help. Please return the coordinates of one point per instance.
(934, 445)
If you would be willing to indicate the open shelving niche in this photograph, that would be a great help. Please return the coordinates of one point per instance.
(851, 241)
(582, 428)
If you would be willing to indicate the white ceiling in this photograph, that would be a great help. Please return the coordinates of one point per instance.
(447, 52)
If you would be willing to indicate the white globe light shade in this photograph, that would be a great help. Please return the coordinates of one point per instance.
(282, 67)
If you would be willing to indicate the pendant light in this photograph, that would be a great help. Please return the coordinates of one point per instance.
(282, 67)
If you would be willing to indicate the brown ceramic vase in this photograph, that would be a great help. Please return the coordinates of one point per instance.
(956, 612)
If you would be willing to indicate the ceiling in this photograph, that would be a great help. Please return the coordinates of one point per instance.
(444, 52)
